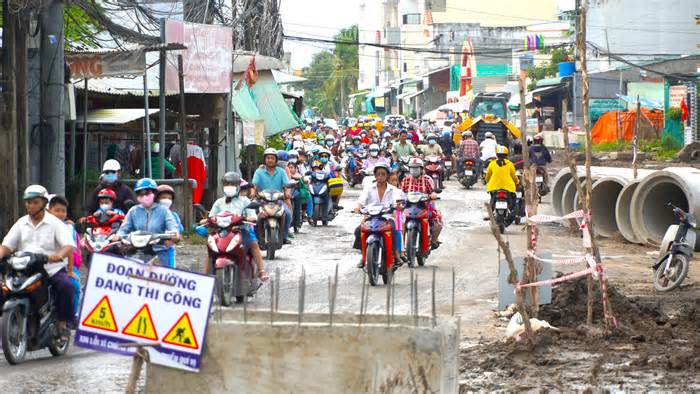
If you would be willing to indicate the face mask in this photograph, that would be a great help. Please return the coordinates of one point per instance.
(105, 207)
(166, 202)
(432, 142)
(324, 160)
(356, 143)
(415, 172)
(329, 143)
(109, 178)
(147, 200)
(374, 153)
(230, 191)
(293, 160)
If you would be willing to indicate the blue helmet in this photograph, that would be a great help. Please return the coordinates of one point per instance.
(282, 155)
(446, 133)
(145, 183)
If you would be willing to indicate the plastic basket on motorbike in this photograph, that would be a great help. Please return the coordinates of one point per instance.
(336, 186)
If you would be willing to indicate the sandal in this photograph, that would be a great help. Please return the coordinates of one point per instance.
(64, 335)
(264, 276)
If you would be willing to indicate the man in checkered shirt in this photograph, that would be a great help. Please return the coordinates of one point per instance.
(418, 182)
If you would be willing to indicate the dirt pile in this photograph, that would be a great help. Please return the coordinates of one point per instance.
(657, 346)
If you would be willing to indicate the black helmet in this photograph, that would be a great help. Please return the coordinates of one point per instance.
(231, 177)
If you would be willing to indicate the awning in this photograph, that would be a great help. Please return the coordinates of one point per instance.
(460, 106)
(378, 92)
(547, 90)
(116, 115)
(283, 78)
(410, 95)
(436, 71)
(514, 101)
(244, 105)
(278, 116)
(364, 93)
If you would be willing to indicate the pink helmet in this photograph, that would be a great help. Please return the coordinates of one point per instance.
(244, 183)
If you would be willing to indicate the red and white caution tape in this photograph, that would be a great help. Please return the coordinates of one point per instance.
(554, 281)
(567, 261)
(549, 218)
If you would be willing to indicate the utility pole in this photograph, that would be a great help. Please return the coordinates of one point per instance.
(161, 101)
(9, 193)
(183, 147)
(52, 125)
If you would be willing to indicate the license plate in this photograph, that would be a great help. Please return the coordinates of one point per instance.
(519, 194)
(469, 172)
(539, 179)
(501, 205)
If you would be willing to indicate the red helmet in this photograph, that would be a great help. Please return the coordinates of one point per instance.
(107, 193)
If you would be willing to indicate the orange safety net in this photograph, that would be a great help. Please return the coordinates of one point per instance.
(605, 129)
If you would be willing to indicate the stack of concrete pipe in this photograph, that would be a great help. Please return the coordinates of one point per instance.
(634, 208)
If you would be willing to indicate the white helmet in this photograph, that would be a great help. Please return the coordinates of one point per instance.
(467, 134)
(308, 128)
(374, 150)
(111, 165)
(387, 134)
(488, 135)
(415, 162)
(270, 151)
(34, 191)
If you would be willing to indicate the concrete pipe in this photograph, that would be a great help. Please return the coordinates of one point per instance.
(563, 177)
(569, 197)
(605, 193)
(650, 214)
(623, 212)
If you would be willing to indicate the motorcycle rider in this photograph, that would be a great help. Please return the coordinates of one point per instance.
(373, 159)
(233, 202)
(42, 232)
(149, 216)
(403, 148)
(418, 182)
(387, 140)
(379, 193)
(500, 175)
(540, 156)
(111, 173)
(165, 197)
(447, 144)
(432, 148)
(106, 198)
(272, 177)
(468, 149)
(58, 206)
(488, 149)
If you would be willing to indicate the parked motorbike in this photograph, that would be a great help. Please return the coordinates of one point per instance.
(679, 244)
(144, 245)
(29, 318)
(377, 243)
(232, 264)
(433, 168)
(270, 229)
(98, 230)
(417, 228)
(470, 175)
(502, 209)
(322, 205)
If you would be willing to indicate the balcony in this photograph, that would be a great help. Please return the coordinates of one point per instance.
(391, 36)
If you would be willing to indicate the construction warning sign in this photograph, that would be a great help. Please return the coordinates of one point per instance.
(182, 334)
(101, 317)
(127, 304)
(141, 326)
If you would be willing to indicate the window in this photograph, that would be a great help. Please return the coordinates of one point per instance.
(405, 67)
(411, 19)
(436, 5)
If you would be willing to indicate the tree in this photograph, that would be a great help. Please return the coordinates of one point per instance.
(548, 69)
(332, 75)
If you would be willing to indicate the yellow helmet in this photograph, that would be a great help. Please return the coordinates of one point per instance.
(501, 150)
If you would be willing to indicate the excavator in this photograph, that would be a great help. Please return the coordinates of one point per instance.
(489, 112)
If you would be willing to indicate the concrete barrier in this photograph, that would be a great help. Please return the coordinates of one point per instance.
(406, 355)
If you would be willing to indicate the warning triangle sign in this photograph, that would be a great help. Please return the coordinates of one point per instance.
(182, 334)
(141, 325)
(101, 317)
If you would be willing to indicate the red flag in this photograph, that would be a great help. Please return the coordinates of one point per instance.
(251, 73)
(684, 110)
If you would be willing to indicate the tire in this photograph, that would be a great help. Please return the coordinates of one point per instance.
(421, 260)
(517, 220)
(11, 337)
(316, 215)
(679, 266)
(502, 228)
(411, 246)
(58, 348)
(225, 285)
(272, 243)
(373, 255)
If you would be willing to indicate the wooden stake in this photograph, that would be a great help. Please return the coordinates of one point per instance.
(513, 274)
(135, 373)
(635, 139)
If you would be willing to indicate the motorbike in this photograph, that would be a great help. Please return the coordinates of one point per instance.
(232, 264)
(356, 175)
(322, 205)
(270, 226)
(98, 229)
(377, 243)
(29, 318)
(542, 188)
(485, 168)
(519, 201)
(448, 167)
(298, 208)
(417, 228)
(403, 169)
(144, 245)
(470, 175)
(433, 168)
(678, 245)
(502, 209)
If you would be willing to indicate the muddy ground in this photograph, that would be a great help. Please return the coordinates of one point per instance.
(656, 346)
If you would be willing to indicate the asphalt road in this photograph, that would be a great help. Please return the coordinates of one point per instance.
(468, 248)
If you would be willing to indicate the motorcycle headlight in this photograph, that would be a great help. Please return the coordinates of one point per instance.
(20, 263)
(414, 197)
(277, 196)
(320, 176)
(374, 210)
(268, 195)
(212, 244)
(223, 221)
(234, 242)
(139, 240)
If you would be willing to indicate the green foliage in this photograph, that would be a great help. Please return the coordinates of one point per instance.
(80, 28)
(674, 113)
(328, 70)
(664, 148)
(548, 69)
(276, 142)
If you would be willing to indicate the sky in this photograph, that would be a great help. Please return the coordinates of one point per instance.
(324, 18)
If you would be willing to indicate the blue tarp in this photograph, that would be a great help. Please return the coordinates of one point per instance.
(642, 101)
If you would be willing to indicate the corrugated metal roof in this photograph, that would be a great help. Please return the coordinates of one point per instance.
(116, 115)
(283, 78)
(274, 110)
